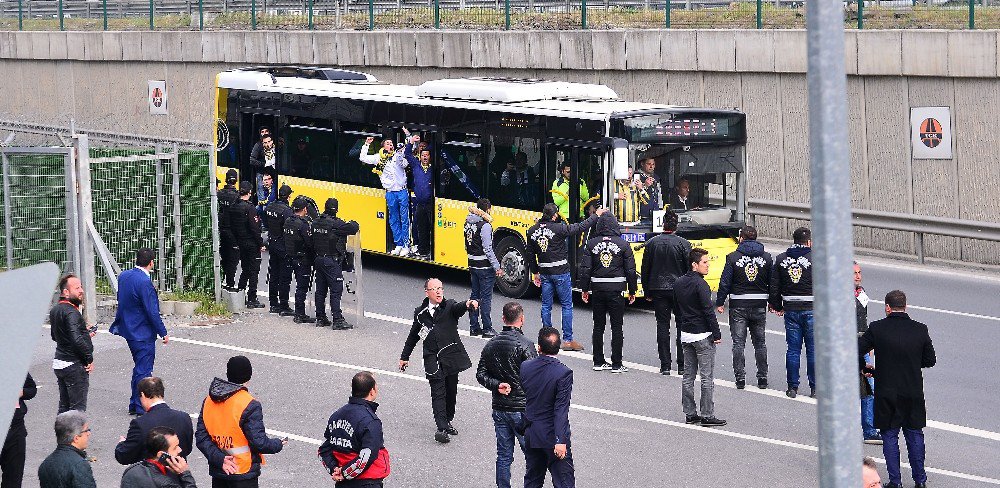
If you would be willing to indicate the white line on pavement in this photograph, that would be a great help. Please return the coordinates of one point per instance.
(613, 413)
(958, 429)
(950, 312)
(289, 435)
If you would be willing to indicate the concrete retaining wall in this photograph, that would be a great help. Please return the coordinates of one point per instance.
(99, 80)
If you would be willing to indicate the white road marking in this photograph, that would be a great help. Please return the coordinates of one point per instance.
(613, 413)
(958, 429)
(289, 435)
(949, 312)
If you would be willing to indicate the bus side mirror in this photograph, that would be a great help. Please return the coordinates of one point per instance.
(619, 158)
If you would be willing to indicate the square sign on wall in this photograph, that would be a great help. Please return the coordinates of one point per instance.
(157, 97)
(930, 132)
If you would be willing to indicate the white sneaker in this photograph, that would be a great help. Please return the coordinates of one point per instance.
(404, 251)
(395, 251)
(413, 249)
(602, 367)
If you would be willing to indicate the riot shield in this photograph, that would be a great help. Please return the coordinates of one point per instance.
(353, 300)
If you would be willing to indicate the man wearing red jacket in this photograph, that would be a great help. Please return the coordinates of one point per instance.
(353, 452)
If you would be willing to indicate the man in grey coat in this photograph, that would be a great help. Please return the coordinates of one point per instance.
(163, 467)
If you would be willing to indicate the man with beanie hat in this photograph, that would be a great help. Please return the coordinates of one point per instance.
(229, 254)
(299, 254)
(246, 229)
(279, 275)
(231, 429)
(329, 240)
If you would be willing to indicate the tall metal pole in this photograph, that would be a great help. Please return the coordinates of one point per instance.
(861, 14)
(161, 252)
(62, 26)
(371, 15)
(85, 212)
(175, 188)
(836, 339)
(214, 212)
(760, 14)
(151, 9)
(506, 14)
(972, 14)
(201, 14)
(666, 14)
(7, 212)
(253, 14)
(20, 14)
(104, 10)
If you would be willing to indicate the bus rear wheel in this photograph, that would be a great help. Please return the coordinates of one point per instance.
(516, 279)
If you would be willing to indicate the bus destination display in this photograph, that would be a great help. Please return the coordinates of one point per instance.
(682, 128)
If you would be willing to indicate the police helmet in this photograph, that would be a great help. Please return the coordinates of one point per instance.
(231, 176)
(246, 188)
(284, 192)
(332, 205)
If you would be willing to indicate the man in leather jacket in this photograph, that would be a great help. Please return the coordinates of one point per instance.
(436, 322)
(664, 260)
(500, 372)
(74, 357)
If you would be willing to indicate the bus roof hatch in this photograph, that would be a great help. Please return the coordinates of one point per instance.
(512, 90)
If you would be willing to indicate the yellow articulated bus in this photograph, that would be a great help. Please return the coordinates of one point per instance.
(509, 140)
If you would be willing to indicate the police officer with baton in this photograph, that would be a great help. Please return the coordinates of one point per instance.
(299, 254)
(329, 239)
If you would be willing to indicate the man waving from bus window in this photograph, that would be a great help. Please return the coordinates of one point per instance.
(389, 164)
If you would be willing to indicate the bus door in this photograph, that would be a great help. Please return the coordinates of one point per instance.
(577, 187)
(461, 179)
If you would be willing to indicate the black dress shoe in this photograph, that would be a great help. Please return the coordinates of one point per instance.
(741, 384)
(341, 325)
(812, 393)
(892, 485)
(692, 419)
(286, 312)
(274, 309)
(489, 333)
(475, 332)
(255, 304)
(451, 430)
(303, 319)
(762, 383)
(442, 437)
(920, 485)
(712, 422)
(323, 322)
(791, 392)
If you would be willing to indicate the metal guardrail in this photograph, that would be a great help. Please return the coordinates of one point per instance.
(917, 224)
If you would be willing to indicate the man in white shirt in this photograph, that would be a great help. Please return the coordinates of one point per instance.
(390, 166)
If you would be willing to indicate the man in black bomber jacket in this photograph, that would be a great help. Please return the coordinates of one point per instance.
(499, 371)
(436, 322)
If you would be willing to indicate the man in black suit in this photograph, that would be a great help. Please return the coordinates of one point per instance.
(436, 322)
(131, 448)
(902, 346)
(548, 386)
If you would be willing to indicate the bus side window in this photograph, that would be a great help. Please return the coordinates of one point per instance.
(461, 172)
(518, 182)
(310, 149)
(350, 169)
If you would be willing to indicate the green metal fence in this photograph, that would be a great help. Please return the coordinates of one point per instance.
(481, 14)
(35, 220)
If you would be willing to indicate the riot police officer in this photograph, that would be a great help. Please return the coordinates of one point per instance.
(279, 275)
(329, 238)
(229, 254)
(245, 225)
(299, 254)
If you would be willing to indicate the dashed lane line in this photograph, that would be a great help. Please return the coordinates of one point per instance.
(585, 408)
(958, 429)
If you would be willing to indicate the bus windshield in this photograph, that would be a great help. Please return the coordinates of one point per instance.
(701, 183)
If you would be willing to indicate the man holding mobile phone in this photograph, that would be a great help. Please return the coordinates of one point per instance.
(163, 466)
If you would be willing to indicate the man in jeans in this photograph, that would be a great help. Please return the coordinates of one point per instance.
(791, 296)
(74, 357)
(548, 258)
(699, 336)
(664, 260)
(746, 280)
(861, 300)
(499, 371)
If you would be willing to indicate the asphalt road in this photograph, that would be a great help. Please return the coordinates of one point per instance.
(627, 429)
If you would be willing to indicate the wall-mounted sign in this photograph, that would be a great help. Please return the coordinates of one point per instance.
(930, 132)
(157, 97)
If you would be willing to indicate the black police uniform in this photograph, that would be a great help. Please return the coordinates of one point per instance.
(229, 253)
(329, 238)
(299, 254)
(279, 275)
(607, 268)
(246, 229)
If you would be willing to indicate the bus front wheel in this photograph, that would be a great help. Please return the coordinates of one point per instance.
(516, 280)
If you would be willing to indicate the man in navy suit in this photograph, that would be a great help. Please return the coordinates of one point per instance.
(548, 385)
(138, 320)
(132, 448)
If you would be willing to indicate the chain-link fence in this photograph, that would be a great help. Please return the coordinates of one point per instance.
(482, 14)
(139, 194)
